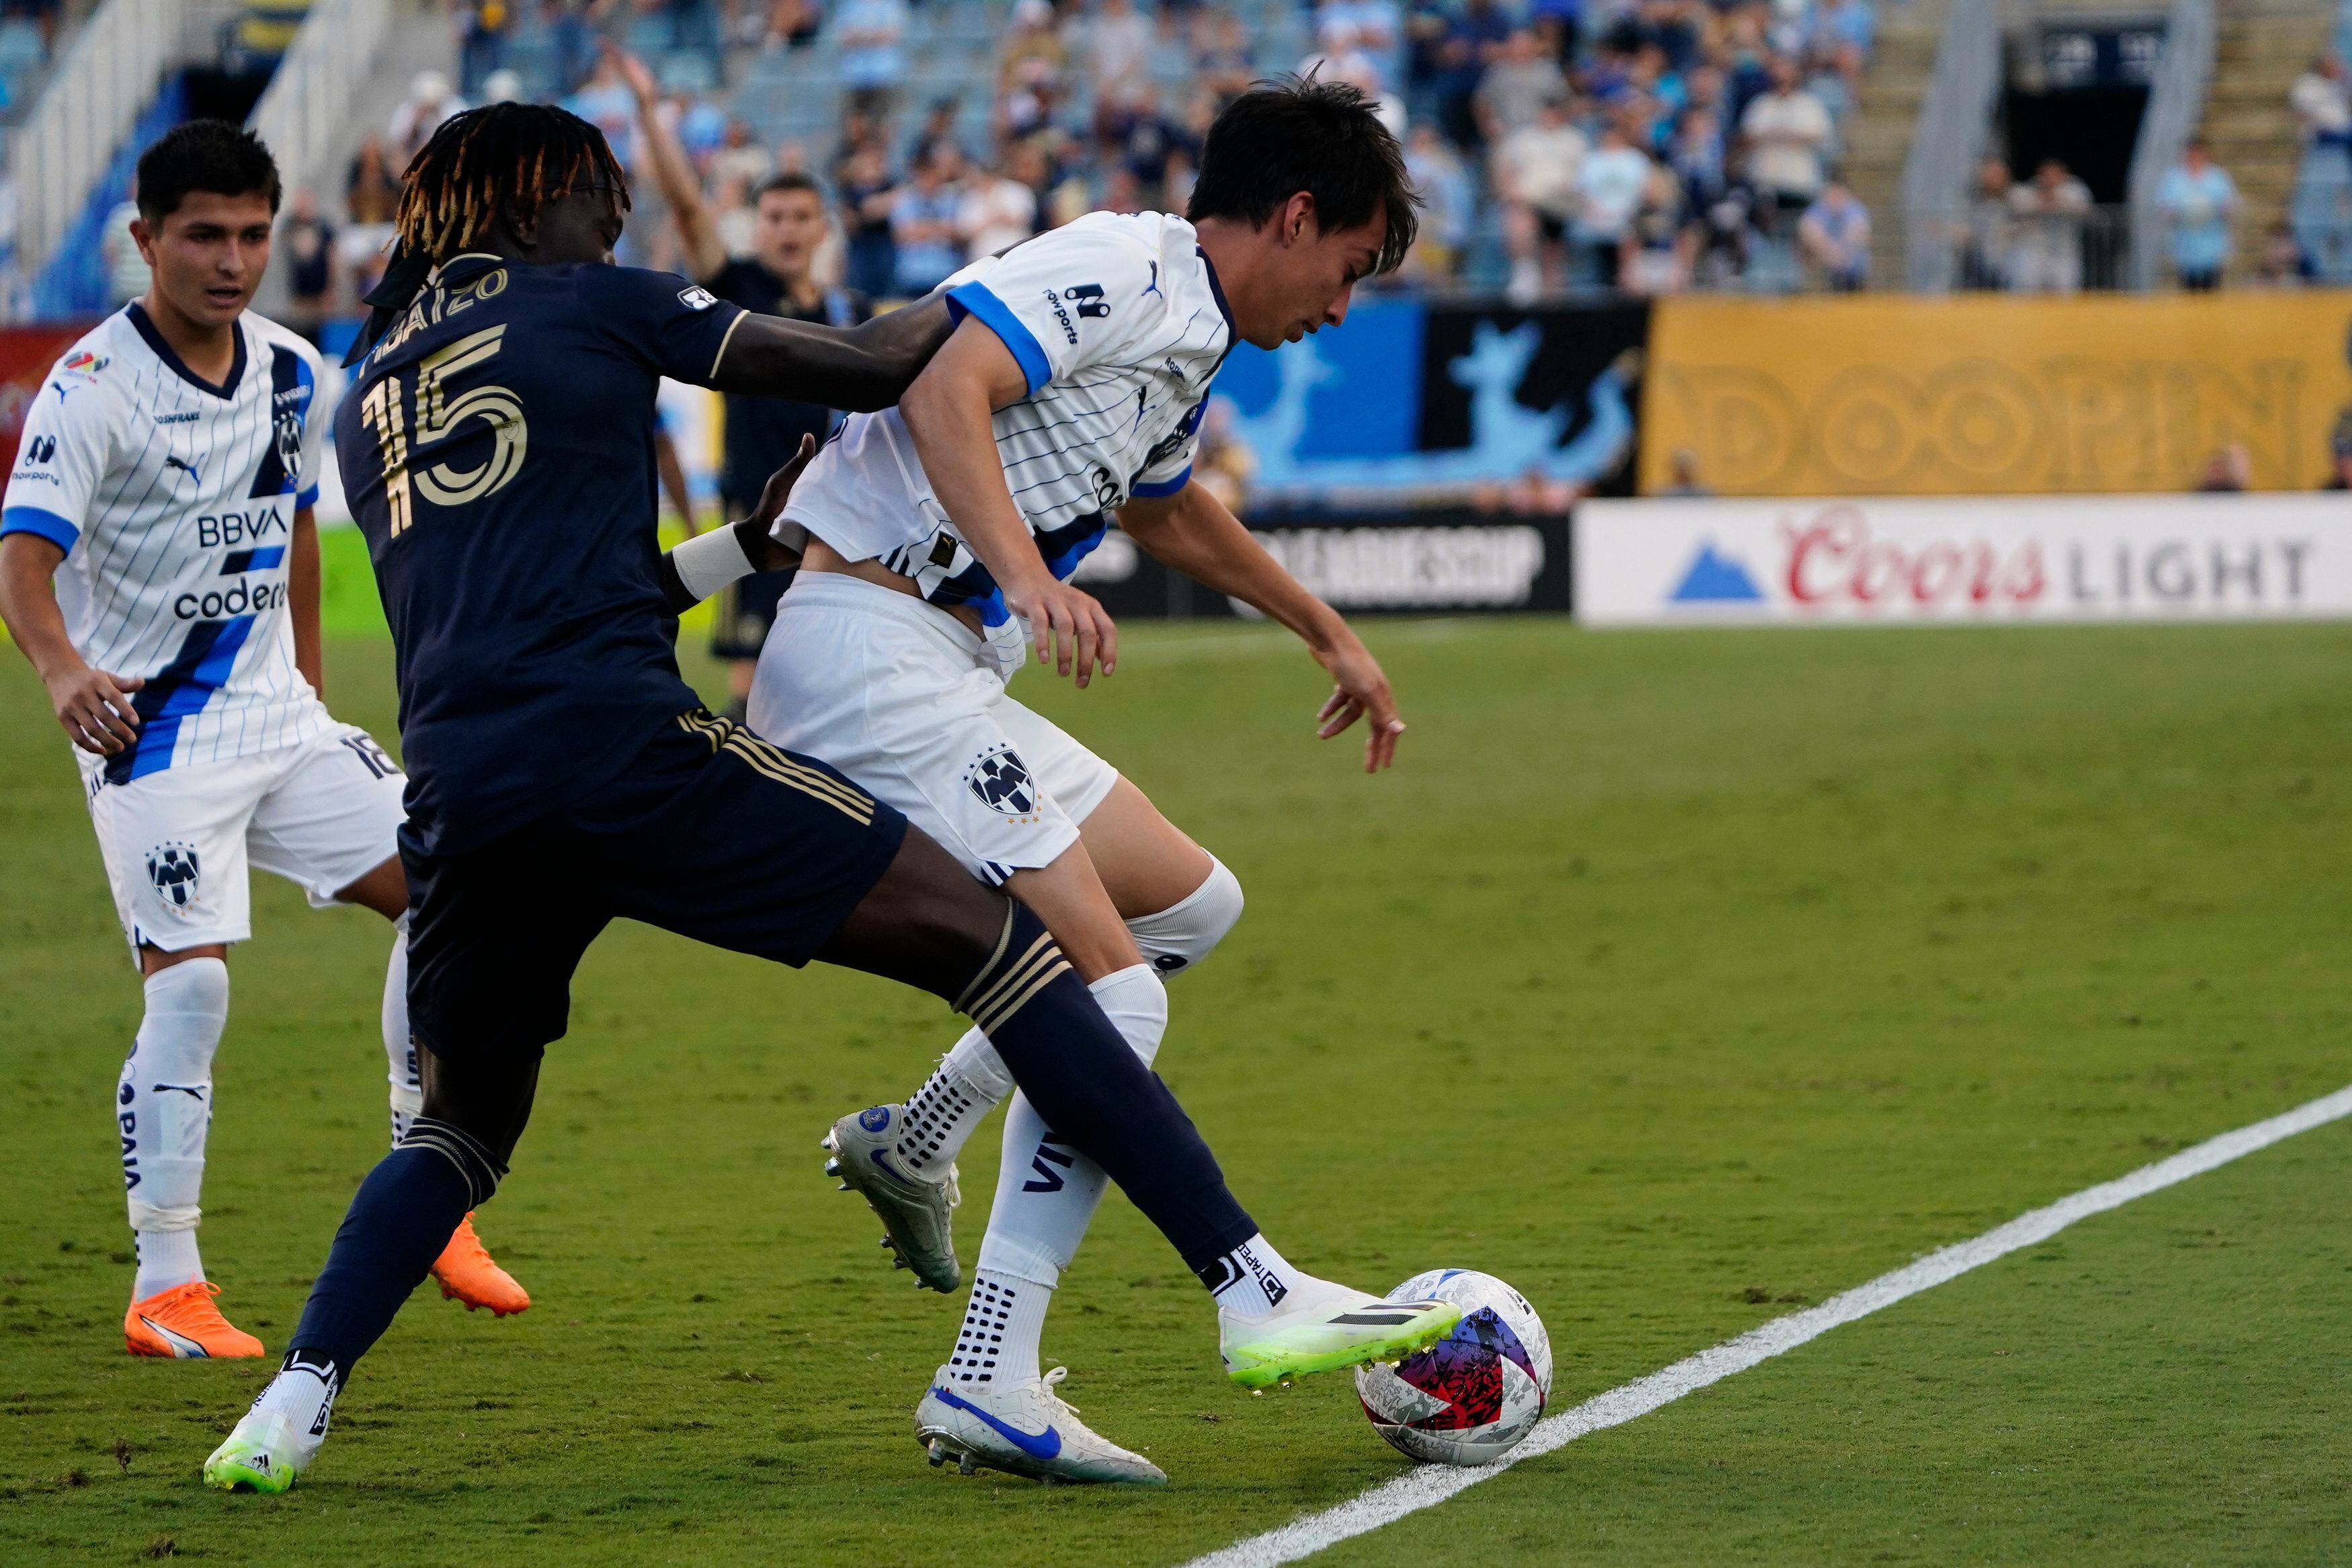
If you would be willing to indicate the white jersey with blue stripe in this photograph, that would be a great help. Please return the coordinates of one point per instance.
(174, 499)
(1119, 326)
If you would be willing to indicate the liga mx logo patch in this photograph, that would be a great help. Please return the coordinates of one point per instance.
(174, 871)
(1001, 782)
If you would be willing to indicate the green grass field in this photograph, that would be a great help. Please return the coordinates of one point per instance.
(1677, 978)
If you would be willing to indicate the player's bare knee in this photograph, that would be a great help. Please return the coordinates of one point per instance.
(1179, 937)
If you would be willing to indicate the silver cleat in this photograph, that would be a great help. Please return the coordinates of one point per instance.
(918, 1213)
(1023, 1429)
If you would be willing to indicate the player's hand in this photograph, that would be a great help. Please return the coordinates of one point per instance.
(1067, 628)
(767, 553)
(95, 709)
(1360, 691)
(633, 74)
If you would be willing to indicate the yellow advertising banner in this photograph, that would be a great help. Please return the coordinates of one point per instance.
(1988, 395)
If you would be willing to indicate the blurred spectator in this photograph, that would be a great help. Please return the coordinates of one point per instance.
(1989, 238)
(2339, 453)
(1660, 241)
(371, 190)
(1534, 171)
(939, 125)
(793, 24)
(1682, 477)
(873, 58)
(2322, 102)
(308, 243)
(603, 100)
(1117, 46)
(1727, 236)
(1373, 27)
(1474, 36)
(1449, 205)
(732, 216)
(999, 209)
(430, 101)
(1224, 465)
(1696, 155)
(126, 270)
(2228, 472)
(2284, 262)
(867, 196)
(923, 223)
(1609, 187)
(2050, 209)
(2199, 200)
(739, 156)
(1834, 234)
(1516, 86)
(1222, 61)
(1847, 25)
(502, 86)
(483, 26)
(1786, 131)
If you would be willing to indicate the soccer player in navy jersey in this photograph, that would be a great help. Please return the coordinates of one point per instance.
(497, 448)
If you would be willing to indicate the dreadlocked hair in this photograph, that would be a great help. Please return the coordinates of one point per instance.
(502, 159)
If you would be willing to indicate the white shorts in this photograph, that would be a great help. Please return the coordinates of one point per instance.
(894, 693)
(321, 815)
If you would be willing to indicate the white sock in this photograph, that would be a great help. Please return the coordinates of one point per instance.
(1253, 1279)
(304, 1392)
(399, 1045)
(163, 1106)
(969, 1082)
(1047, 1192)
(998, 1342)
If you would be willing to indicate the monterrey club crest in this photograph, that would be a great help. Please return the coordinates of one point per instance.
(174, 869)
(1002, 782)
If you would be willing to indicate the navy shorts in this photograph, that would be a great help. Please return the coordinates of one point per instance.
(711, 832)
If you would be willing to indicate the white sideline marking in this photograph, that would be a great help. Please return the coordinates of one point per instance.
(1432, 1484)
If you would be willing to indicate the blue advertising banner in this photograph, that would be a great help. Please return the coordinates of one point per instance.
(1419, 404)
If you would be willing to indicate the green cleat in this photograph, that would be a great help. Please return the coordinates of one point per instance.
(1331, 1330)
(263, 1455)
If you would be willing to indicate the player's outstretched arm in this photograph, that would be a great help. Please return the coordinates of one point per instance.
(704, 252)
(1194, 532)
(302, 587)
(859, 368)
(948, 413)
(93, 705)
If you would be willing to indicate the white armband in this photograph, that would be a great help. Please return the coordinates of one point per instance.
(708, 562)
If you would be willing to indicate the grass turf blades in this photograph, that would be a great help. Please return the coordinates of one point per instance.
(1673, 977)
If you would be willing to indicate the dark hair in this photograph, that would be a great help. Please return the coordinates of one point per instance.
(790, 180)
(501, 160)
(203, 155)
(1299, 133)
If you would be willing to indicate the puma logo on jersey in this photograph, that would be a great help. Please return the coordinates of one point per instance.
(1148, 293)
(177, 462)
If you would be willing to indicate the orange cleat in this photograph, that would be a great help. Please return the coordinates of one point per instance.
(467, 1275)
(181, 1323)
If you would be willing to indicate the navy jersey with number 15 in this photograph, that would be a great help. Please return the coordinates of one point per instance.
(497, 451)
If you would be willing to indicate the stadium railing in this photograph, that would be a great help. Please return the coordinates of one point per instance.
(93, 99)
(300, 116)
(1949, 138)
(2176, 102)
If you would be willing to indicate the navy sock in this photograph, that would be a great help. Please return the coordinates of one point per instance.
(1097, 1096)
(401, 1218)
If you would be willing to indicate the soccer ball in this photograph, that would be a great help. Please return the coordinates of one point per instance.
(1469, 1398)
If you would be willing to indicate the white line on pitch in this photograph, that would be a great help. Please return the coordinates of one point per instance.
(1430, 1485)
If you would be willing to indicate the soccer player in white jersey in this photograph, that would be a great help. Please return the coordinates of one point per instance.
(938, 538)
(159, 568)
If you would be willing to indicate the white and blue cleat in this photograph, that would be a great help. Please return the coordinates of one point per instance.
(1024, 1430)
